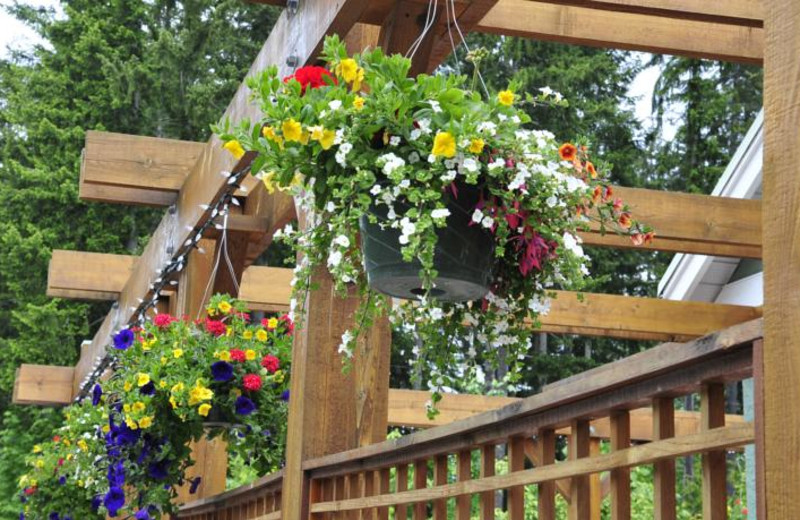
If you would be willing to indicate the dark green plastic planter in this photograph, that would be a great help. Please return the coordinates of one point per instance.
(463, 255)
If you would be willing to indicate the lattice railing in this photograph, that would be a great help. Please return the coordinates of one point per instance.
(417, 475)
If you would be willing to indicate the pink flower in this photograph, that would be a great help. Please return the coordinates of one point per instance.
(163, 321)
(252, 382)
(237, 355)
(217, 328)
(271, 363)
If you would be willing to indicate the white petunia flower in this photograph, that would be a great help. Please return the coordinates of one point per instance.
(336, 104)
(342, 240)
(330, 207)
(440, 213)
(551, 201)
(424, 126)
(546, 91)
(394, 140)
(436, 314)
(414, 134)
(413, 158)
(487, 222)
(477, 216)
(435, 106)
(470, 164)
(449, 176)
(375, 189)
(497, 163)
(431, 158)
(572, 244)
(488, 128)
(334, 259)
(346, 147)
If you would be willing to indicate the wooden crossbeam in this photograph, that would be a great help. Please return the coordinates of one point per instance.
(300, 37)
(620, 30)
(43, 385)
(267, 288)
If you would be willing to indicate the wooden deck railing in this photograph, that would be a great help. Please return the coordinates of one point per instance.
(260, 500)
(415, 476)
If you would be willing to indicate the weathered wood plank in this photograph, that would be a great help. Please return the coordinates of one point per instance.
(516, 462)
(719, 438)
(620, 477)
(546, 453)
(664, 471)
(487, 470)
(43, 385)
(464, 472)
(632, 31)
(578, 448)
(781, 194)
(90, 276)
(712, 406)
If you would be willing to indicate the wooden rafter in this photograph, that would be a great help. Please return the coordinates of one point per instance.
(267, 288)
(619, 30)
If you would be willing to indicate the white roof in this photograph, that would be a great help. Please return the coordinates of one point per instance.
(701, 277)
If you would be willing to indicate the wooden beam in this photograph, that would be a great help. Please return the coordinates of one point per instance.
(735, 12)
(43, 385)
(780, 465)
(267, 288)
(632, 31)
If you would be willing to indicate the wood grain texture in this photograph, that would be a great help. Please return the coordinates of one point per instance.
(621, 477)
(781, 196)
(487, 470)
(516, 494)
(712, 407)
(43, 385)
(719, 438)
(631, 31)
(546, 453)
(579, 493)
(464, 472)
(664, 471)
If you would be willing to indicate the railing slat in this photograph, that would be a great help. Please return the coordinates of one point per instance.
(353, 491)
(664, 471)
(401, 511)
(579, 505)
(369, 490)
(339, 493)
(464, 502)
(487, 470)
(420, 482)
(546, 444)
(440, 479)
(516, 462)
(384, 478)
(712, 413)
(620, 477)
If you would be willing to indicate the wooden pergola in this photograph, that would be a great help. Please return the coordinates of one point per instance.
(338, 463)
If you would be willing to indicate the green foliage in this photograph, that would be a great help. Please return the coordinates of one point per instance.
(160, 68)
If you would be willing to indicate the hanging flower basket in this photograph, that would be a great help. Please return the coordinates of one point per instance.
(463, 256)
(375, 157)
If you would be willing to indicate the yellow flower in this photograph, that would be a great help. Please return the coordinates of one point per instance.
(82, 445)
(39, 463)
(69, 456)
(279, 376)
(127, 386)
(316, 132)
(505, 97)
(211, 311)
(327, 139)
(236, 392)
(248, 334)
(133, 425)
(173, 402)
(261, 335)
(476, 145)
(203, 409)
(250, 354)
(358, 102)
(67, 442)
(272, 323)
(142, 379)
(228, 331)
(348, 69)
(145, 422)
(225, 307)
(235, 148)
(138, 406)
(292, 130)
(269, 133)
(444, 145)
(178, 352)
(225, 355)
(200, 393)
(106, 428)
(304, 137)
(147, 345)
(163, 360)
(162, 384)
(178, 388)
(37, 448)
(269, 182)
(126, 408)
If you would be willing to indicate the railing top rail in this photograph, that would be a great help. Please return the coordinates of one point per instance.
(665, 369)
(268, 483)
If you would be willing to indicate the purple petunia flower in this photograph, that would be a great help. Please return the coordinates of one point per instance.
(244, 406)
(97, 393)
(222, 371)
(123, 339)
(96, 501)
(114, 500)
(142, 514)
(195, 485)
(285, 396)
(53, 516)
(148, 389)
(62, 480)
(158, 470)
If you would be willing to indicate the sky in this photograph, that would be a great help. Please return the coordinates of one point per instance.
(14, 33)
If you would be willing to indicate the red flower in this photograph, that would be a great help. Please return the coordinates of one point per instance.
(271, 363)
(217, 328)
(56, 438)
(237, 355)
(30, 490)
(60, 462)
(288, 323)
(252, 382)
(163, 321)
(312, 76)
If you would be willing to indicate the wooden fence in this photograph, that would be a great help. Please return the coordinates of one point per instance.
(416, 475)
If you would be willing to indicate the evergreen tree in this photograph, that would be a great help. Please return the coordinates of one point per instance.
(162, 68)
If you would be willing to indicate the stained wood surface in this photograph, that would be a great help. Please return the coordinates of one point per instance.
(664, 471)
(676, 366)
(631, 31)
(717, 439)
(43, 385)
(712, 406)
(781, 195)
(621, 477)
(578, 448)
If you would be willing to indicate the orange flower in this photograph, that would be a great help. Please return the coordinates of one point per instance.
(591, 170)
(637, 239)
(624, 221)
(648, 237)
(598, 192)
(617, 204)
(608, 193)
(567, 152)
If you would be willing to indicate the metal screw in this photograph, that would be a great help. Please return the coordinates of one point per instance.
(292, 61)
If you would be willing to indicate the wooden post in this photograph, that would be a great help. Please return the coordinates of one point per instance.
(664, 471)
(487, 470)
(579, 508)
(621, 477)
(712, 410)
(780, 467)
(595, 489)
(758, 419)
(547, 490)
